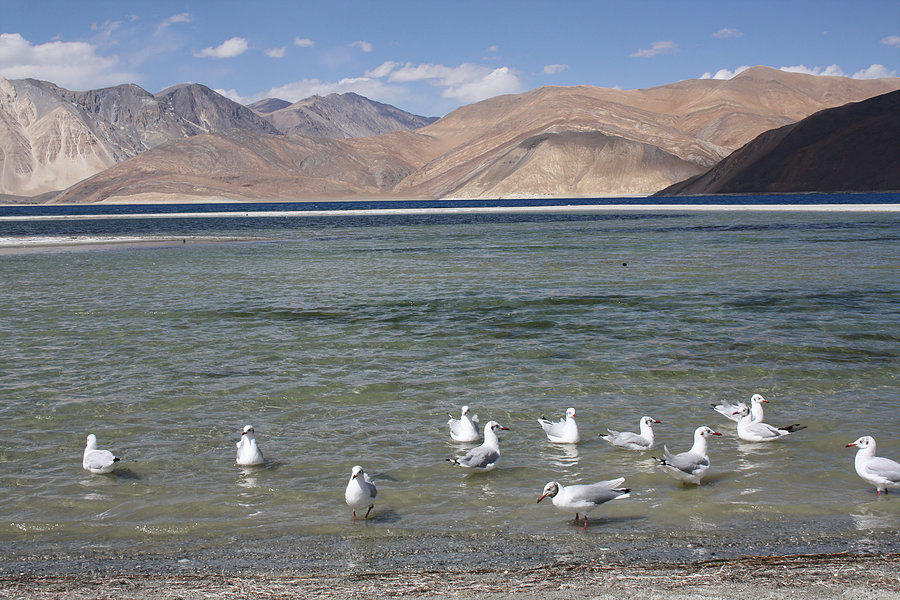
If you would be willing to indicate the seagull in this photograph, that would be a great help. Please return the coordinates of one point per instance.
(584, 498)
(751, 430)
(690, 466)
(731, 410)
(248, 453)
(880, 472)
(633, 441)
(564, 431)
(360, 492)
(465, 428)
(485, 456)
(97, 461)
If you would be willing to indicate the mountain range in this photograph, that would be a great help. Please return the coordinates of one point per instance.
(124, 144)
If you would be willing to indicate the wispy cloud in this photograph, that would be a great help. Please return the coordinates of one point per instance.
(724, 73)
(179, 18)
(892, 40)
(363, 45)
(727, 32)
(74, 65)
(493, 48)
(657, 48)
(304, 88)
(553, 69)
(276, 52)
(466, 82)
(874, 71)
(228, 49)
(304, 42)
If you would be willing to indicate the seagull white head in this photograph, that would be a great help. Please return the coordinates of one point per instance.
(91, 440)
(743, 411)
(648, 421)
(495, 426)
(356, 472)
(570, 413)
(864, 442)
(248, 430)
(705, 431)
(465, 410)
(550, 490)
(758, 398)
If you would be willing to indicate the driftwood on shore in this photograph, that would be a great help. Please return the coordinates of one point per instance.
(810, 577)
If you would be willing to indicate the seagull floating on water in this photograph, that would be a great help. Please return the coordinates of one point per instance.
(633, 441)
(465, 428)
(360, 492)
(751, 430)
(248, 452)
(97, 461)
(485, 456)
(880, 472)
(583, 498)
(564, 431)
(690, 466)
(731, 410)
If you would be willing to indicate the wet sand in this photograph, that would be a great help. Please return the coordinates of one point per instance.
(818, 576)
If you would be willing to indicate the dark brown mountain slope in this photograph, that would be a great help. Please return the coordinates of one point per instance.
(851, 148)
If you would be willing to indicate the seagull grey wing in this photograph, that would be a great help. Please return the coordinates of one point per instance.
(555, 429)
(763, 430)
(627, 437)
(595, 493)
(688, 462)
(480, 457)
(884, 467)
(474, 419)
(99, 459)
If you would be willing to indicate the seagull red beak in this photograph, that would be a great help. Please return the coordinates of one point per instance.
(655, 421)
(716, 433)
(542, 497)
(850, 445)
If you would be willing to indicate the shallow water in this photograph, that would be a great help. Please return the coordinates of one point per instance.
(349, 340)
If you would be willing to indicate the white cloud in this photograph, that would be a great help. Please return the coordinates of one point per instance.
(276, 52)
(304, 42)
(74, 65)
(363, 45)
(892, 40)
(829, 71)
(553, 69)
(724, 73)
(874, 72)
(298, 90)
(663, 47)
(179, 18)
(466, 82)
(493, 48)
(727, 32)
(227, 49)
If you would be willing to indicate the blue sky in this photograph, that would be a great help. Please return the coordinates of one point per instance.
(431, 57)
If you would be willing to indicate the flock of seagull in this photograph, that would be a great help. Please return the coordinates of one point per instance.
(688, 467)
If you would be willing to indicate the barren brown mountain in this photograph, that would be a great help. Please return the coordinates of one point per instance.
(552, 141)
(850, 148)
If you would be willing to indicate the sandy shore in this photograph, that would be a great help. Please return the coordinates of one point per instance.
(817, 576)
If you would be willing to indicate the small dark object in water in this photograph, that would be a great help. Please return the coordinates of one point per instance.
(624, 264)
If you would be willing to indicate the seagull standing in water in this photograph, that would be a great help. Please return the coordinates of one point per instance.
(880, 472)
(583, 498)
(485, 456)
(751, 430)
(360, 492)
(731, 410)
(465, 428)
(564, 431)
(248, 452)
(633, 441)
(97, 461)
(690, 466)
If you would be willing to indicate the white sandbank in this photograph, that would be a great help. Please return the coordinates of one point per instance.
(464, 210)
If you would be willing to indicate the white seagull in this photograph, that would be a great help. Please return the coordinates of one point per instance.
(248, 452)
(360, 492)
(751, 430)
(564, 431)
(485, 456)
(633, 441)
(880, 472)
(690, 466)
(97, 461)
(584, 498)
(465, 428)
(731, 410)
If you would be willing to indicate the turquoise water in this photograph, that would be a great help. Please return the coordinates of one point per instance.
(349, 340)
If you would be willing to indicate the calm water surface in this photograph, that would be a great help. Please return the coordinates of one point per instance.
(349, 340)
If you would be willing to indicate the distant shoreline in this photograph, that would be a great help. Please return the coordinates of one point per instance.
(464, 210)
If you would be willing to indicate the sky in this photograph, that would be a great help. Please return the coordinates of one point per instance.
(430, 57)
